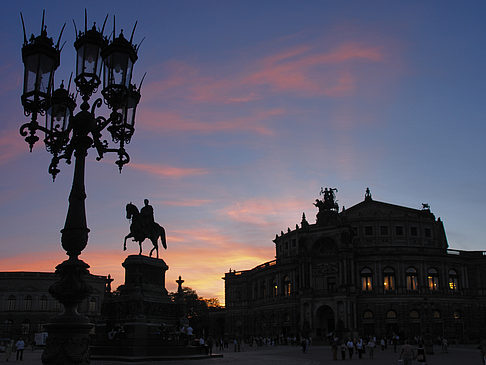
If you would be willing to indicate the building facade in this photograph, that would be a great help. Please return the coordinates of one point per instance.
(375, 268)
(26, 305)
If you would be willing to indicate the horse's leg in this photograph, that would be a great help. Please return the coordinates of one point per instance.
(154, 242)
(125, 241)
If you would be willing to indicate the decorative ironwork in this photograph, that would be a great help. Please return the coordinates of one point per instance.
(67, 134)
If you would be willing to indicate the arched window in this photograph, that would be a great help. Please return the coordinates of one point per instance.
(274, 288)
(11, 302)
(287, 286)
(414, 314)
(453, 282)
(412, 279)
(391, 314)
(368, 315)
(28, 303)
(436, 314)
(43, 303)
(92, 305)
(433, 279)
(389, 279)
(366, 279)
(457, 315)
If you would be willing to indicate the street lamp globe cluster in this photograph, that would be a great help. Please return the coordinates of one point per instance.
(66, 135)
(94, 53)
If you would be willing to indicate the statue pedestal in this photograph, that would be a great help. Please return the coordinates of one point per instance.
(141, 318)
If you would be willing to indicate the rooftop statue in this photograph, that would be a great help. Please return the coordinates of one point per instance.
(144, 226)
(329, 201)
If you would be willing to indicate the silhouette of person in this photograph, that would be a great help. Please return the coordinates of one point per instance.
(147, 213)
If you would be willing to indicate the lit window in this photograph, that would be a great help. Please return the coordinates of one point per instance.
(391, 315)
(275, 288)
(436, 314)
(453, 280)
(433, 279)
(366, 280)
(368, 315)
(414, 314)
(389, 279)
(457, 315)
(287, 286)
(412, 279)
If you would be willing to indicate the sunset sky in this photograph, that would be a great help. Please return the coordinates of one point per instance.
(248, 109)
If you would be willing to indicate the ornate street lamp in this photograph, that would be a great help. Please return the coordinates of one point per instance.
(66, 134)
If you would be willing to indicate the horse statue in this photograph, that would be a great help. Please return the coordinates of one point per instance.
(141, 228)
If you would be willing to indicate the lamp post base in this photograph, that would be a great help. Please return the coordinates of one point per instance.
(67, 343)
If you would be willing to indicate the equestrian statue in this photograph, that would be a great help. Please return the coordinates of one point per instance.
(143, 226)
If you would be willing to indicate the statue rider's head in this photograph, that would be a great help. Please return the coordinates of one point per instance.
(146, 201)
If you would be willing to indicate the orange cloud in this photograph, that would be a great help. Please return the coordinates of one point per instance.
(200, 256)
(168, 171)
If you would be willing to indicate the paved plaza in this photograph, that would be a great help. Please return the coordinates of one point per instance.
(289, 355)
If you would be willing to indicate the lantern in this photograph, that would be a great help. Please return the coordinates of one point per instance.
(60, 110)
(40, 59)
(118, 59)
(129, 110)
(88, 60)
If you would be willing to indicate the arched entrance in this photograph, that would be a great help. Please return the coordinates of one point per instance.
(325, 322)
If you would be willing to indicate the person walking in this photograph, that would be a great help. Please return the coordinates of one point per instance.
(407, 354)
(350, 346)
(371, 347)
(421, 353)
(19, 346)
(8, 350)
(334, 348)
(343, 351)
(383, 344)
(359, 348)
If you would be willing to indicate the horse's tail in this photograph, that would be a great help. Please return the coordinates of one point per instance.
(162, 236)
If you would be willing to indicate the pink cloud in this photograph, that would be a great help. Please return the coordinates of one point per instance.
(166, 121)
(168, 171)
(300, 70)
(265, 212)
(186, 203)
(12, 145)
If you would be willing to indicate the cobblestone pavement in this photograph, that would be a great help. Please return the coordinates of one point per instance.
(290, 355)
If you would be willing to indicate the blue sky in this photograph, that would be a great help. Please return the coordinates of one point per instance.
(247, 109)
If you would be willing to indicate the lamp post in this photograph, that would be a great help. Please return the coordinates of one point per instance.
(67, 134)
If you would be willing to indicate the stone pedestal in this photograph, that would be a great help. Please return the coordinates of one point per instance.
(67, 343)
(144, 317)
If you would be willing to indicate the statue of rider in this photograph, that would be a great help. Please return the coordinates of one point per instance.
(148, 221)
